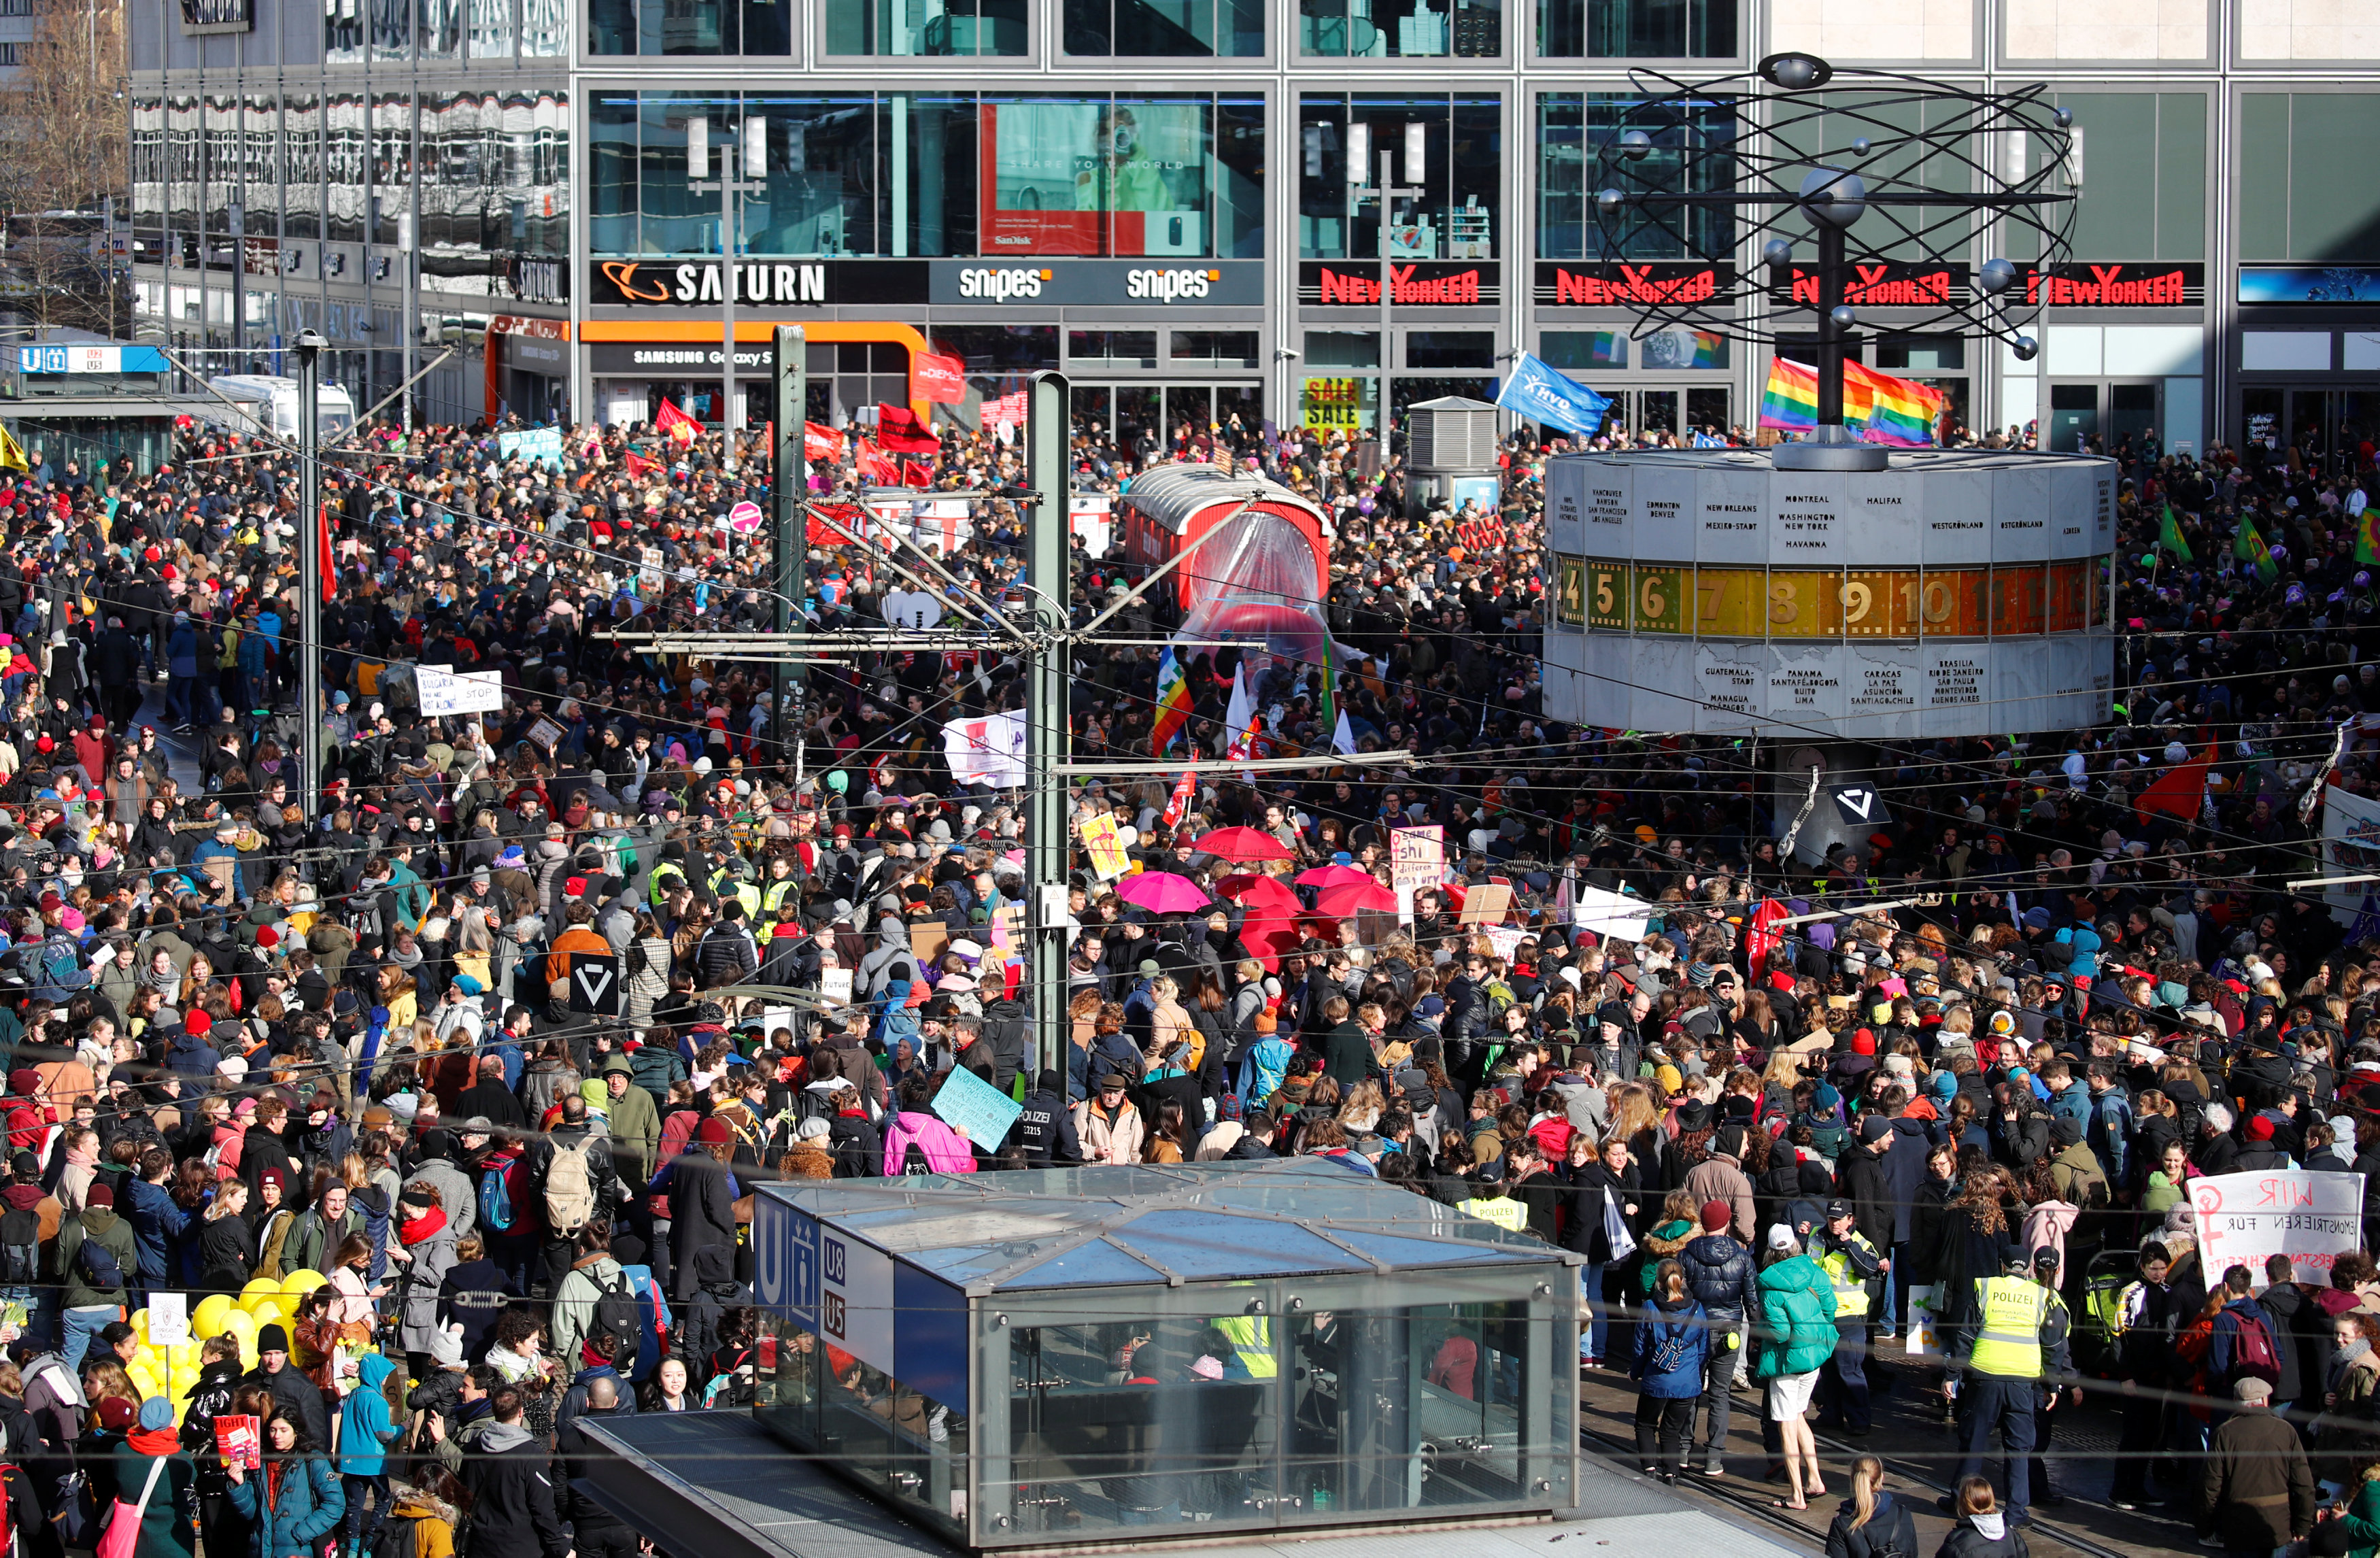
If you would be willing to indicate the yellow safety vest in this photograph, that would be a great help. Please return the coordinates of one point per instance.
(1251, 1339)
(2008, 1345)
(772, 895)
(1851, 1293)
(1502, 1210)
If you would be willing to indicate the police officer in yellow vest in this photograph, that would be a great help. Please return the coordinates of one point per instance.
(1856, 1271)
(781, 895)
(2045, 1272)
(1488, 1200)
(2011, 1340)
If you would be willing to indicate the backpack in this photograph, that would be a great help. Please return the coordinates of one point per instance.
(21, 1254)
(569, 1190)
(396, 1538)
(617, 1315)
(496, 1200)
(98, 1265)
(2252, 1355)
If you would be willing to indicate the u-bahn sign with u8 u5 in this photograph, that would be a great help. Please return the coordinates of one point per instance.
(2311, 1216)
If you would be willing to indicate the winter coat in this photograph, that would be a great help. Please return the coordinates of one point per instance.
(589, 1277)
(2256, 1490)
(946, 1152)
(512, 1497)
(425, 1281)
(1659, 1325)
(474, 1296)
(165, 1520)
(1106, 1140)
(289, 1521)
(1890, 1529)
(1797, 1318)
(702, 1214)
(366, 1427)
(1983, 1536)
(1722, 1278)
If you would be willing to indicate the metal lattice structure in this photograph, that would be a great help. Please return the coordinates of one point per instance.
(1855, 162)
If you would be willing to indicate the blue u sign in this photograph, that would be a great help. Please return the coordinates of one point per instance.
(785, 1261)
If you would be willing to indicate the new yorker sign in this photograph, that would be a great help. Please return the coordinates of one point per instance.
(1412, 284)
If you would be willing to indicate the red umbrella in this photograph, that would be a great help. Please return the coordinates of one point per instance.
(1346, 898)
(1268, 936)
(1331, 876)
(1258, 892)
(1162, 892)
(1242, 845)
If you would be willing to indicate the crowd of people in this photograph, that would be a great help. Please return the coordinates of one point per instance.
(327, 1044)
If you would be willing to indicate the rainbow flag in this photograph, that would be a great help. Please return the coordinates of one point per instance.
(1897, 411)
(2367, 535)
(1173, 702)
(1790, 401)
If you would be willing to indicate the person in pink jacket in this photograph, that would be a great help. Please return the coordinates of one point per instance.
(944, 1149)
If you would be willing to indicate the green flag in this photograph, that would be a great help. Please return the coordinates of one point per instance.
(1330, 710)
(2249, 546)
(2169, 536)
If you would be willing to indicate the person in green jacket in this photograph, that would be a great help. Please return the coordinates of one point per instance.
(2359, 1519)
(169, 1519)
(1797, 1336)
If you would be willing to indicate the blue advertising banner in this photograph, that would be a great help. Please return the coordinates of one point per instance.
(1553, 399)
(2309, 283)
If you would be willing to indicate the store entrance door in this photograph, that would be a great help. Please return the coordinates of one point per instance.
(2324, 426)
(2073, 417)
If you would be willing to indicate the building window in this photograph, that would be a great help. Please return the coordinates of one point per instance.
(930, 27)
(1456, 213)
(1401, 29)
(1440, 349)
(1578, 350)
(902, 175)
(8, 54)
(1635, 28)
(996, 350)
(1167, 29)
(1216, 348)
(750, 28)
(2144, 157)
(1114, 349)
(1571, 130)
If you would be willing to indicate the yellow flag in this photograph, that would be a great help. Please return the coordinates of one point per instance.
(11, 456)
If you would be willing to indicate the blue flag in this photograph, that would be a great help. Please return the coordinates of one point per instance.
(1553, 399)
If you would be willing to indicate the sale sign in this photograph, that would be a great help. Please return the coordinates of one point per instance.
(2310, 1216)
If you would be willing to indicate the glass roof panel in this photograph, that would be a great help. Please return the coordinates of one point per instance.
(1197, 1244)
(1096, 1264)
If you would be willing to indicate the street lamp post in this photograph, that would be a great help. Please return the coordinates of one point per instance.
(1388, 192)
(728, 185)
(308, 348)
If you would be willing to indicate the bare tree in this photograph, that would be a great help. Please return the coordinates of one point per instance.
(65, 124)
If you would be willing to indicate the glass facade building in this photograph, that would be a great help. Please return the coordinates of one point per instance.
(1309, 210)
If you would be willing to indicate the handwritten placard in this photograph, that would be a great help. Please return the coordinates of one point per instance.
(2310, 1216)
(976, 1108)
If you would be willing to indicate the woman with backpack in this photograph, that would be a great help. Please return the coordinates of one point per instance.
(293, 1501)
(1672, 1345)
(1870, 1522)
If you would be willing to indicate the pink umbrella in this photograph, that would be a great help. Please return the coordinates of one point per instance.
(1346, 898)
(1331, 876)
(1162, 892)
(1259, 892)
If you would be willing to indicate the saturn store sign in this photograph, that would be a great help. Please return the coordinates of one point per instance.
(825, 284)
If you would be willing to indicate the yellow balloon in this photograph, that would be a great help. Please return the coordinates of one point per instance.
(141, 1322)
(240, 1322)
(300, 1284)
(207, 1319)
(257, 1289)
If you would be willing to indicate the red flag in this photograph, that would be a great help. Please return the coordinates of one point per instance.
(322, 546)
(2180, 792)
(820, 442)
(876, 467)
(1178, 804)
(938, 378)
(636, 465)
(847, 523)
(917, 473)
(675, 424)
(897, 429)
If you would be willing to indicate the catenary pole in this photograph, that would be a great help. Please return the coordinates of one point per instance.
(1046, 741)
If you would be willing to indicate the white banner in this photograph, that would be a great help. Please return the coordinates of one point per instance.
(1611, 914)
(471, 692)
(2313, 1216)
(990, 750)
(2350, 846)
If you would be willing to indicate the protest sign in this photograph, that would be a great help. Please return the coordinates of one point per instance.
(447, 692)
(975, 1108)
(1609, 914)
(990, 750)
(834, 986)
(2313, 1217)
(1417, 857)
(1487, 904)
(169, 1318)
(1105, 845)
